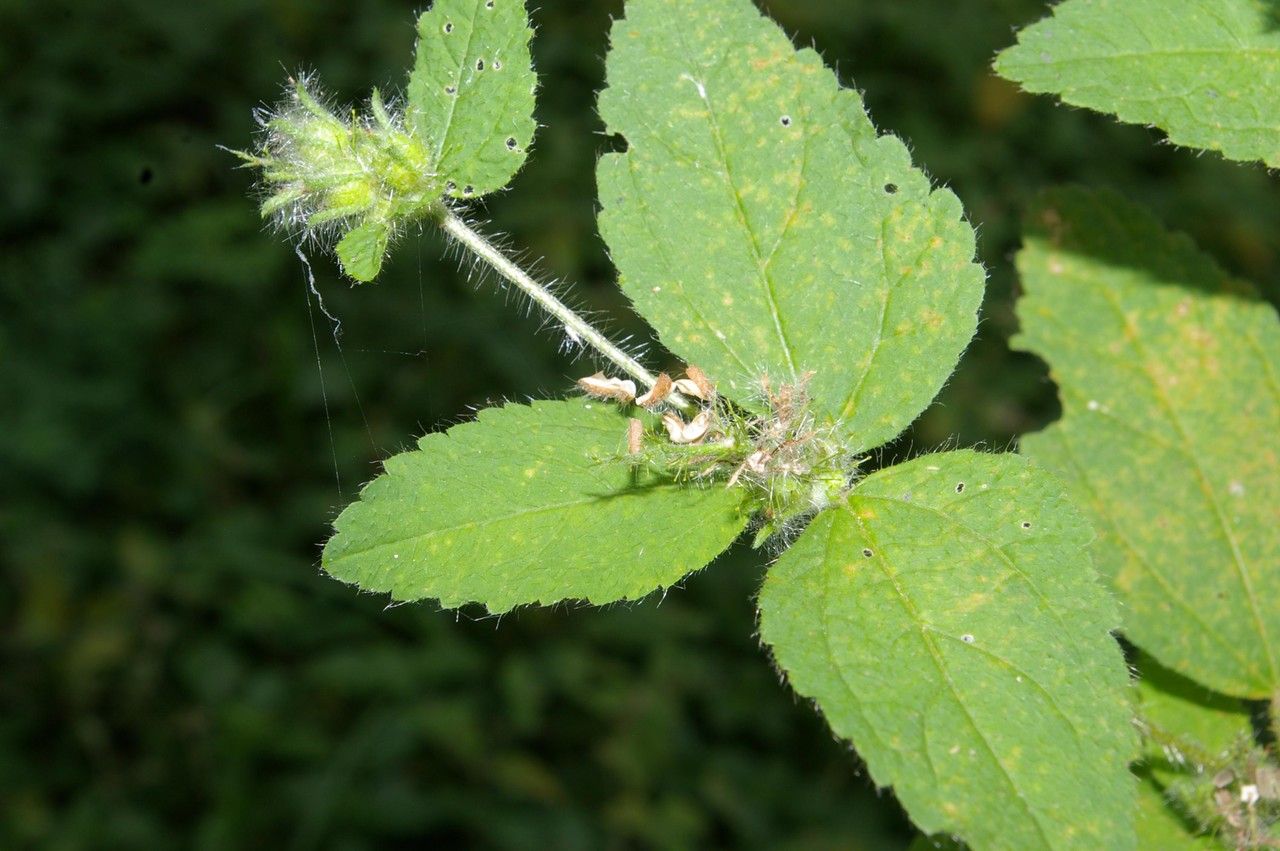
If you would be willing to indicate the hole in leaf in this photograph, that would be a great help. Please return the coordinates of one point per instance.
(448, 27)
(479, 64)
(511, 143)
(489, 4)
(959, 487)
(867, 553)
(967, 638)
(451, 90)
(890, 188)
(468, 189)
(497, 65)
(786, 120)
(450, 186)
(1026, 524)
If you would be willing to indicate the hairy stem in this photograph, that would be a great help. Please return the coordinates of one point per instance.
(1168, 740)
(1273, 712)
(575, 324)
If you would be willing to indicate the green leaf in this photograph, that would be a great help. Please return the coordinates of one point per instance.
(1169, 374)
(1207, 727)
(362, 249)
(528, 505)
(761, 225)
(1207, 72)
(471, 92)
(948, 622)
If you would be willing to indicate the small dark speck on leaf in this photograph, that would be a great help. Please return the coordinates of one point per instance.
(890, 188)
(450, 90)
(967, 638)
(959, 487)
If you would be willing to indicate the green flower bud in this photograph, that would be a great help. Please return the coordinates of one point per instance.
(330, 179)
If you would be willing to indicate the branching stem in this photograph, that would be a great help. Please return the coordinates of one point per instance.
(548, 302)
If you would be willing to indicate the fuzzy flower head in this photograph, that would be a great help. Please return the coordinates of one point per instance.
(357, 180)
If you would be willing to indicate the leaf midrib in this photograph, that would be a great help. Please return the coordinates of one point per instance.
(647, 216)
(989, 544)
(474, 524)
(762, 268)
(765, 277)
(1100, 510)
(934, 654)
(457, 87)
(1216, 52)
(1206, 487)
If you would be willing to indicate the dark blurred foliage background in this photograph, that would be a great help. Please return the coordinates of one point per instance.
(177, 673)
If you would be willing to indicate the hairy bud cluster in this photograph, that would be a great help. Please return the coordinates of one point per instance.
(323, 175)
(797, 465)
(1240, 802)
(792, 465)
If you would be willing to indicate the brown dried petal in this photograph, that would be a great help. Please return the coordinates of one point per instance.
(698, 428)
(682, 432)
(618, 389)
(706, 390)
(658, 393)
(675, 426)
(635, 436)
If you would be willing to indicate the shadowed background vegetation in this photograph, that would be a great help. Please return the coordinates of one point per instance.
(174, 670)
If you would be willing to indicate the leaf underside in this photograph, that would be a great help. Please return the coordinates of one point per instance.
(528, 505)
(763, 228)
(471, 92)
(1169, 373)
(1207, 72)
(948, 622)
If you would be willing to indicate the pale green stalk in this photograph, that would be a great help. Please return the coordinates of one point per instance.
(575, 324)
